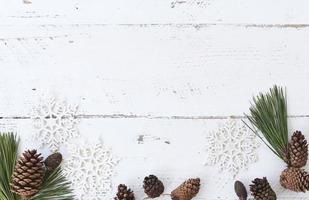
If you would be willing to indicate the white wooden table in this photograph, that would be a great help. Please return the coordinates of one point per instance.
(152, 80)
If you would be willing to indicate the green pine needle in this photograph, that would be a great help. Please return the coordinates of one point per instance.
(55, 187)
(269, 117)
(9, 144)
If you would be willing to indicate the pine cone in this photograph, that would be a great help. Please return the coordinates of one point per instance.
(153, 187)
(298, 150)
(261, 190)
(295, 179)
(53, 161)
(187, 190)
(124, 193)
(240, 190)
(28, 174)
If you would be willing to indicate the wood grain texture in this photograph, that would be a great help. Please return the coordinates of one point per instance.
(153, 12)
(180, 71)
(153, 78)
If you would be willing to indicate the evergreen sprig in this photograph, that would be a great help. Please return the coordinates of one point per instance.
(269, 119)
(55, 187)
(9, 144)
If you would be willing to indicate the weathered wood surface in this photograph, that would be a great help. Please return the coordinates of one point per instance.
(155, 12)
(153, 78)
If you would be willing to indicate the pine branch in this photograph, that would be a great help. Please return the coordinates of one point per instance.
(9, 144)
(55, 187)
(269, 118)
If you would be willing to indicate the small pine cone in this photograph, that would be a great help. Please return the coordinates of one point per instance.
(298, 150)
(187, 190)
(295, 179)
(261, 190)
(240, 190)
(53, 161)
(124, 193)
(153, 187)
(28, 175)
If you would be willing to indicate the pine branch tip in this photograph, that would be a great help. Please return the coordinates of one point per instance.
(268, 114)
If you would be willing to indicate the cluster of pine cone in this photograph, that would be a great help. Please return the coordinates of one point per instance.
(29, 172)
(260, 190)
(294, 177)
(154, 188)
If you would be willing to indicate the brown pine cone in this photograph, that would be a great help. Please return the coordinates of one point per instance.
(28, 174)
(295, 179)
(261, 190)
(124, 193)
(298, 150)
(153, 187)
(240, 190)
(187, 190)
(53, 161)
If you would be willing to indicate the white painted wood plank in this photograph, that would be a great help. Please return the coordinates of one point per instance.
(154, 11)
(153, 71)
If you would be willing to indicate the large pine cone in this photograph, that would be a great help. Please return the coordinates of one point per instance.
(187, 190)
(153, 187)
(298, 150)
(124, 193)
(295, 179)
(261, 190)
(28, 174)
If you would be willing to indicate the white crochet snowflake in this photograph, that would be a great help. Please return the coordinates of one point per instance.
(90, 168)
(55, 123)
(231, 147)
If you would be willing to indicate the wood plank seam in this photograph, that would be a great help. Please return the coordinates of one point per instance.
(178, 25)
(130, 116)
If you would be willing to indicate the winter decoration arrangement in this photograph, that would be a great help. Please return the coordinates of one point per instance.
(30, 177)
(268, 120)
(89, 165)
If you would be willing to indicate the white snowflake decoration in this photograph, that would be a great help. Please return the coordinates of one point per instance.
(90, 168)
(55, 123)
(231, 147)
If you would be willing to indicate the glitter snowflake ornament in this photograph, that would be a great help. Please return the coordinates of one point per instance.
(231, 147)
(90, 168)
(55, 123)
